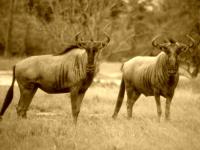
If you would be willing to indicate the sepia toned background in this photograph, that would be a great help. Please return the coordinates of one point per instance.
(35, 27)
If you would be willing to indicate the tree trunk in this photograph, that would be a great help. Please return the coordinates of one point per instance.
(8, 48)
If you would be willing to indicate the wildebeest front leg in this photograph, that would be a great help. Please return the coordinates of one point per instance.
(76, 100)
(26, 95)
(159, 110)
(167, 108)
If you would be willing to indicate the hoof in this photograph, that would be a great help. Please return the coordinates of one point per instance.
(167, 119)
(75, 121)
(114, 116)
(129, 118)
(21, 117)
(158, 120)
(21, 113)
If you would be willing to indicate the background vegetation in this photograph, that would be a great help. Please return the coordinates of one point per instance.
(47, 26)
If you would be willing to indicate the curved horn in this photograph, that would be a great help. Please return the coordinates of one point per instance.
(79, 41)
(165, 44)
(77, 37)
(107, 39)
(154, 41)
(180, 44)
(192, 40)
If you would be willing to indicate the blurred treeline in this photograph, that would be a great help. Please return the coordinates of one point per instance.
(48, 26)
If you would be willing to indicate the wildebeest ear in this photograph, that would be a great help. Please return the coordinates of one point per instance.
(101, 45)
(181, 48)
(82, 45)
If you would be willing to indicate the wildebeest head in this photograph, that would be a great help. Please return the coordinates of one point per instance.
(92, 47)
(172, 49)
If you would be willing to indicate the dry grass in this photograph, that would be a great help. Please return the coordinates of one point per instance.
(49, 125)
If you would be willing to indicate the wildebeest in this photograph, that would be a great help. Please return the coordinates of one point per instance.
(188, 60)
(151, 76)
(70, 71)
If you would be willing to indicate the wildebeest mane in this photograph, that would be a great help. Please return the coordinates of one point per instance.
(67, 49)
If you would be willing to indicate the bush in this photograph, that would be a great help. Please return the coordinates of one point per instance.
(42, 27)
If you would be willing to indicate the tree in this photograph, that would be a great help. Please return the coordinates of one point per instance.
(8, 47)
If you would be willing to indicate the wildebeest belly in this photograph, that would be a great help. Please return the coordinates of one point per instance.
(145, 91)
(54, 90)
(143, 84)
(51, 86)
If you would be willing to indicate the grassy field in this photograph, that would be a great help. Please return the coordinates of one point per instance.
(49, 124)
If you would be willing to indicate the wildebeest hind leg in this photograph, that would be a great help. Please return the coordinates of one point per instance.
(76, 100)
(26, 95)
(132, 97)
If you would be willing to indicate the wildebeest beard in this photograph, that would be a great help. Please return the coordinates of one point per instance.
(171, 80)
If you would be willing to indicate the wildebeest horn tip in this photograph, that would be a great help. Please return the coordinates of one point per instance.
(154, 41)
(107, 37)
(191, 39)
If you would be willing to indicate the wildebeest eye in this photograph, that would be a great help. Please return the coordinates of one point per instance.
(178, 51)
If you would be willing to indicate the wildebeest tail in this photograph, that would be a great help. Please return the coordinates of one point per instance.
(122, 66)
(9, 95)
(119, 98)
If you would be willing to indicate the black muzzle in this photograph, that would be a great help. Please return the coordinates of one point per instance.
(172, 70)
(90, 68)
